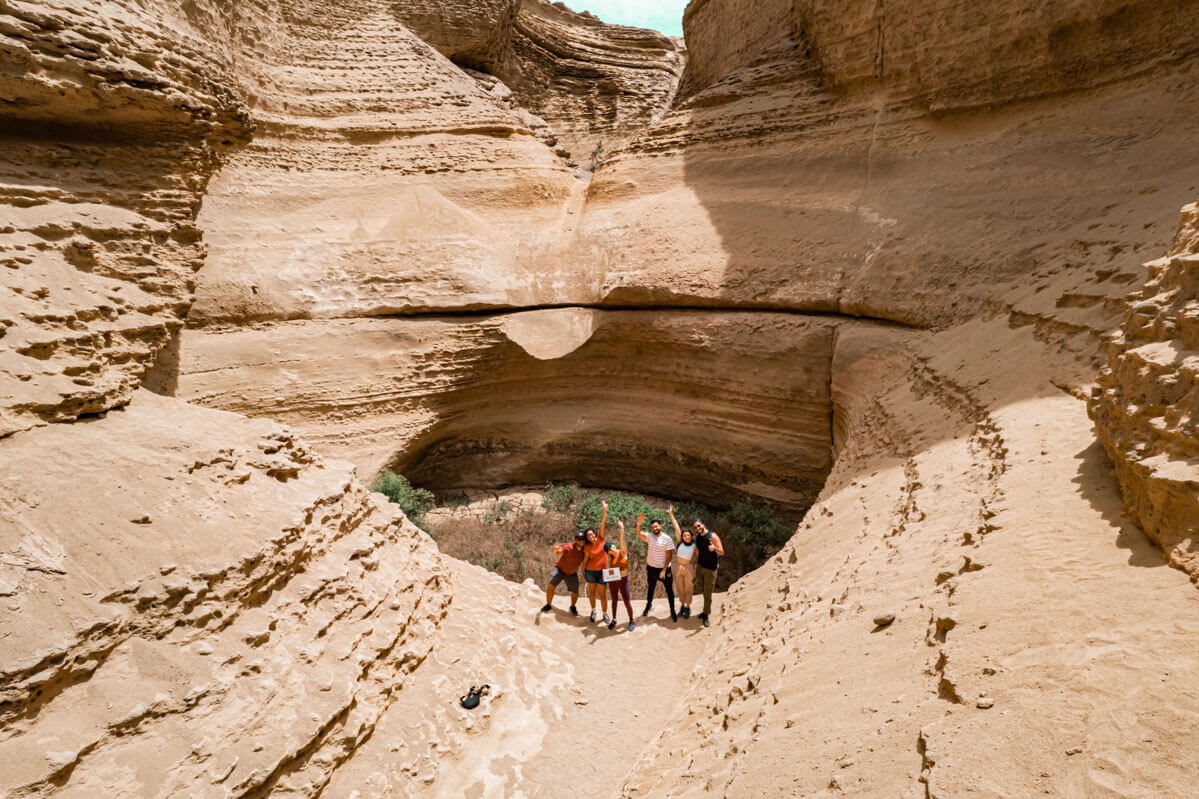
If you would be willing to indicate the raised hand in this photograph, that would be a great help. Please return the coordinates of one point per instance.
(640, 518)
(604, 503)
(670, 510)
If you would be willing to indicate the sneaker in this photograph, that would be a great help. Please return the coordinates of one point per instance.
(632, 626)
(606, 619)
(705, 618)
(547, 607)
(574, 611)
(648, 605)
(674, 616)
(612, 625)
(685, 613)
(593, 615)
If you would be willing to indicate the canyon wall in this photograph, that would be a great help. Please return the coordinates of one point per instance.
(548, 396)
(866, 259)
(1145, 405)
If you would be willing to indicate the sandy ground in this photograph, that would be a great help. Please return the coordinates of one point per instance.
(572, 704)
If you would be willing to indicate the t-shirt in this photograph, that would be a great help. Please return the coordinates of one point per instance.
(570, 560)
(596, 557)
(686, 551)
(708, 559)
(657, 547)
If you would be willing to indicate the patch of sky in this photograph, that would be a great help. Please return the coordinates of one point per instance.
(660, 15)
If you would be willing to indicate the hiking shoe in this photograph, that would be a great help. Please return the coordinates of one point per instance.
(574, 611)
(648, 605)
(547, 607)
(606, 619)
(612, 625)
(632, 626)
(685, 613)
(705, 618)
(593, 615)
(674, 616)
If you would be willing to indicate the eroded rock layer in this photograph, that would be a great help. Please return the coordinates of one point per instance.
(1147, 405)
(526, 398)
(112, 125)
(594, 84)
(199, 604)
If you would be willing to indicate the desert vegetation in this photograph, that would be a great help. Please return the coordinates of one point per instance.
(512, 536)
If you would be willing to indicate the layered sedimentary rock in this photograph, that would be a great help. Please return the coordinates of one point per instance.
(112, 125)
(218, 611)
(1147, 403)
(201, 604)
(595, 84)
(876, 207)
(382, 179)
(527, 398)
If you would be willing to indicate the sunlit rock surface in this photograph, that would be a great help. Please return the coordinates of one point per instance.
(862, 256)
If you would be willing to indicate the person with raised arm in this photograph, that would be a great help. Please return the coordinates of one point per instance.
(709, 549)
(659, 551)
(570, 558)
(684, 566)
(618, 558)
(593, 567)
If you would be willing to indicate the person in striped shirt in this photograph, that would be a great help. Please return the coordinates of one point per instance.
(660, 551)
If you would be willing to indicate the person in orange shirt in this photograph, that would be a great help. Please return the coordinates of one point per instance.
(593, 566)
(618, 558)
(570, 558)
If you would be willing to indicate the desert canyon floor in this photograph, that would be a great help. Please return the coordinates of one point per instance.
(917, 268)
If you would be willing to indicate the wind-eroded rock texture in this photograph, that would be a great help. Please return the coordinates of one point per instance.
(527, 398)
(111, 127)
(1147, 404)
(867, 256)
(217, 610)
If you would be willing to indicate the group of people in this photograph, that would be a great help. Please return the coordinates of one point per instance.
(683, 564)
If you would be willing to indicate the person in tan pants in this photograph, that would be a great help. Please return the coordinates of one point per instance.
(684, 570)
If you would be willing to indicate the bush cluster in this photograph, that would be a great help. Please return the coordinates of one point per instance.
(415, 502)
(751, 532)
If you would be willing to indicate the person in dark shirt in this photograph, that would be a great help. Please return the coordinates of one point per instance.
(708, 551)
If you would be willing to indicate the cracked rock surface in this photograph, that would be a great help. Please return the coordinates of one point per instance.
(862, 257)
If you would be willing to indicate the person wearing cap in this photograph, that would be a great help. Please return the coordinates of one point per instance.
(570, 558)
(708, 551)
(618, 558)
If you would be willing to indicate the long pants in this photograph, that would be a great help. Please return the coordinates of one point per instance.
(651, 577)
(684, 581)
(706, 582)
(620, 588)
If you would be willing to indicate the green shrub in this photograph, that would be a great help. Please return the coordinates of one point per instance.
(560, 498)
(757, 530)
(498, 511)
(415, 502)
(459, 500)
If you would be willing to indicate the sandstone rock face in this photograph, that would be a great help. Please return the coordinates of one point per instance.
(1147, 403)
(113, 125)
(215, 606)
(358, 189)
(461, 403)
(595, 84)
(877, 247)
(469, 34)
(943, 55)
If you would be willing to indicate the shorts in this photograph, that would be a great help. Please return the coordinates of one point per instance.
(594, 576)
(572, 580)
